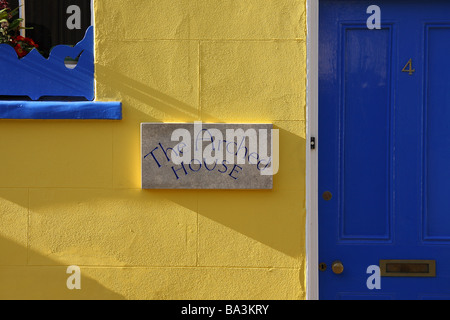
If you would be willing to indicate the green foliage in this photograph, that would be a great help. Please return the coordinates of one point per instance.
(10, 27)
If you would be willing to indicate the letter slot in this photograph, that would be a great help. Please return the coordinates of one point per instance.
(408, 268)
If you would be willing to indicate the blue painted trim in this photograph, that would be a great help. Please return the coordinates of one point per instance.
(60, 110)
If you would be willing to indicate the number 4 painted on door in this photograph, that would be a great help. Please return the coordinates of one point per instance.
(408, 68)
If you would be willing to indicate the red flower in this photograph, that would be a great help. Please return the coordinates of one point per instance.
(31, 42)
(4, 4)
(23, 45)
(20, 52)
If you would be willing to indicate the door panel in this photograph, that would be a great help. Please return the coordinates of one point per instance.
(437, 134)
(384, 146)
(365, 134)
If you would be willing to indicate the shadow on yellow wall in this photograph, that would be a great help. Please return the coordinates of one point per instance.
(155, 105)
(246, 218)
(273, 218)
(94, 185)
(45, 281)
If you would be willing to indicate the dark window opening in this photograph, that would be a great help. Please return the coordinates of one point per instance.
(56, 22)
(48, 23)
(13, 4)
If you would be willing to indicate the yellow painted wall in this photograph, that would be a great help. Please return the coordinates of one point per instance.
(70, 190)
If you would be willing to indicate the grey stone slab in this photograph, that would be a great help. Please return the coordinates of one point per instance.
(206, 156)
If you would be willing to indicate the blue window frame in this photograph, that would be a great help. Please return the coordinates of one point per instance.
(41, 87)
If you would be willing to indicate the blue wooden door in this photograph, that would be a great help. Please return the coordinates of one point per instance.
(384, 150)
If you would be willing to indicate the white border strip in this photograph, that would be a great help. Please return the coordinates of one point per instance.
(94, 47)
(22, 16)
(312, 164)
(92, 13)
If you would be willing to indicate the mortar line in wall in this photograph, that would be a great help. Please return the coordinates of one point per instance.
(198, 232)
(28, 224)
(80, 187)
(200, 114)
(252, 40)
(21, 188)
(151, 267)
(112, 156)
(209, 40)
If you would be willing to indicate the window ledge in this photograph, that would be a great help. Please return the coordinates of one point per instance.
(60, 110)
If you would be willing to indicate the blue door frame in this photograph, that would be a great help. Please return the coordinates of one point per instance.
(384, 150)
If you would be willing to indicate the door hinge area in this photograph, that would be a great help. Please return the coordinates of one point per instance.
(313, 143)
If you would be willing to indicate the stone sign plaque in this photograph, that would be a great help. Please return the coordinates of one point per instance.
(208, 156)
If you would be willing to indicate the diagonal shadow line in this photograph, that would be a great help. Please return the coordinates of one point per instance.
(275, 218)
(148, 95)
(278, 230)
(273, 229)
(20, 281)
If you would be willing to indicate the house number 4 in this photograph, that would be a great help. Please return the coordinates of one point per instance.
(408, 68)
